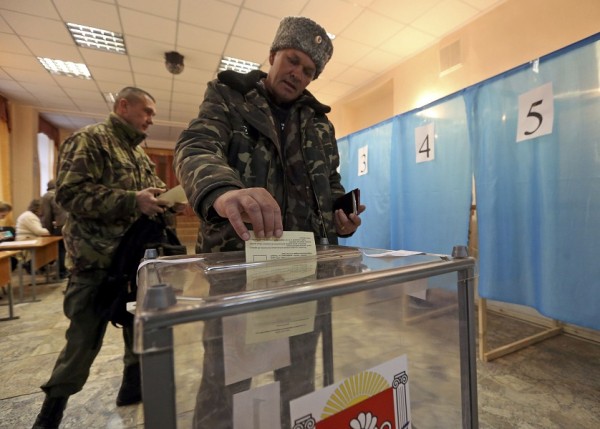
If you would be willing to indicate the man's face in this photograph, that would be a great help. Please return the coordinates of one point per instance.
(291, 72)
(3, 215)
(137, 113)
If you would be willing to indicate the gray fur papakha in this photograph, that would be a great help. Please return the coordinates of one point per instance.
(100, 169)
(304, 34)
(234, 143)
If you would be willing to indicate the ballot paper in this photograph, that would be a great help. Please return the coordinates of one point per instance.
(291, 244)
(173, 196)
(264, 345)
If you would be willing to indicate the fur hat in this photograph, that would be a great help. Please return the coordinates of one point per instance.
(298, 32)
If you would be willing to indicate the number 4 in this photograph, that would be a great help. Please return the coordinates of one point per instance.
(425, 145)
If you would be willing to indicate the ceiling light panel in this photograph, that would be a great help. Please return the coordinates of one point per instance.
(65, 68)
(242, 66)
(96, 38)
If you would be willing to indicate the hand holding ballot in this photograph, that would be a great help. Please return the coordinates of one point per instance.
(251, 205)
(257, 207)
(175, 198)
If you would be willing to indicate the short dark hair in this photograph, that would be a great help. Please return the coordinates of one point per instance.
(35, 205)
(5, 207)
(131, 94)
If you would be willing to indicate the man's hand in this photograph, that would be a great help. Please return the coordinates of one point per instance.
(252, 205)
(148, 203)
(346, 225)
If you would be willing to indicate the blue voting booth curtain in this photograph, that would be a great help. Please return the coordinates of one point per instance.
(538, 200)
(430, 201)
(374, 185)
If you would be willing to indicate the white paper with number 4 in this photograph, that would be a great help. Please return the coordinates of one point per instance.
(425, 143)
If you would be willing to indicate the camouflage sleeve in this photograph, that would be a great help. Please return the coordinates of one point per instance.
(335, 179)
(152, 179)
(201, 152)
(80, 188)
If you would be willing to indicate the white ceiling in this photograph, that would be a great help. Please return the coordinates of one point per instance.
(372, 36)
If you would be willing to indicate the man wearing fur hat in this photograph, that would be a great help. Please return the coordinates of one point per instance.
(262, 151)
(262, 154)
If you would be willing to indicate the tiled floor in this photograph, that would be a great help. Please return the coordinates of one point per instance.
(552, 385)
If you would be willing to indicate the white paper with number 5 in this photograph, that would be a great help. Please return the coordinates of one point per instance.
(536, 113)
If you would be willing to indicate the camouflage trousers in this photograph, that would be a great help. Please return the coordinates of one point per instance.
(84, 340)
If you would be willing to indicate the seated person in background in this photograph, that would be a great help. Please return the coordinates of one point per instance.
(5, 209)
(7, 233)
(29, 225)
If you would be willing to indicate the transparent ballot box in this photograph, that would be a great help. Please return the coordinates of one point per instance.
(349, 338)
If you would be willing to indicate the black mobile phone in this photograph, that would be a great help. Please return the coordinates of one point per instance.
(348, 202)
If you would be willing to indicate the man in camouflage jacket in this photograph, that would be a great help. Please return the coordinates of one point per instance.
(262, 150)
(105, 181)
(100, 173)
(262, 153)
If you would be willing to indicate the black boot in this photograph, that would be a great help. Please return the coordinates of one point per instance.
(131, 386)
(51, 413)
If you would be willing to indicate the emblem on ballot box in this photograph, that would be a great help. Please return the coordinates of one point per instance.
(373, 399)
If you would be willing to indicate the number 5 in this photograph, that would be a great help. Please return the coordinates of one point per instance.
(535, 115)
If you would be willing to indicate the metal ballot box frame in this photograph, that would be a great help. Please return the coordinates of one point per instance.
(350, 308)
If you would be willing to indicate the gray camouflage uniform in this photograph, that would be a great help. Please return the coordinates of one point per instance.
(237, 142)
(100, 169)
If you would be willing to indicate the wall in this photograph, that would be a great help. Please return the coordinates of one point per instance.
(25, 181)
(369, 107)
(514, 33)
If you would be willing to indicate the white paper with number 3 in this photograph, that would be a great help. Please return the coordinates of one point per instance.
(536, 113)
(425, 143)
(363, 160)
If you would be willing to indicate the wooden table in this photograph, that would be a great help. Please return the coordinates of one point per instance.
(5, 276)
(44, 250)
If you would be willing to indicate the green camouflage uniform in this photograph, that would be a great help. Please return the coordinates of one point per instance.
(237, 142)
(100, 169)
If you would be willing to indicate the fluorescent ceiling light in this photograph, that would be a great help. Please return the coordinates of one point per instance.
(242, 66)
(65, 68)
(110, 98)
(96, 38)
